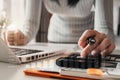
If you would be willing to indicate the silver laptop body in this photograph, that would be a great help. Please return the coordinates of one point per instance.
(20, 55)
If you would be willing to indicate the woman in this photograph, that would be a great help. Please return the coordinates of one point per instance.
(70, 18)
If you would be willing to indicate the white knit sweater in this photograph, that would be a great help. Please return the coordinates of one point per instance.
(68, 23)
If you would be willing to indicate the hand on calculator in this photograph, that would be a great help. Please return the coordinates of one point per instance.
(100, 44)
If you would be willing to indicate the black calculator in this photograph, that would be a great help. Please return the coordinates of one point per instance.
(74, 60)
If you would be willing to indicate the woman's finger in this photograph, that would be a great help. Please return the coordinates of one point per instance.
(20, 39)
(10, 39)
(9, 36)
(108, 50)
(16, 38)
(88, 49)
(83, 39)
(22, 42)
(102, 46)
(99, 37)
(11, 43)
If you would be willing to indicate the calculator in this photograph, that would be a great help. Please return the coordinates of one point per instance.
(74, 60)
(74, 65)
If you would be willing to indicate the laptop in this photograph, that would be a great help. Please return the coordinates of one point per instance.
(19, 55)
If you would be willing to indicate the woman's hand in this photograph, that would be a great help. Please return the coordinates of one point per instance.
(102, 45)
(14, 37)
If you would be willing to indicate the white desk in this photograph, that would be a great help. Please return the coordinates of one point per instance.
(15, 72)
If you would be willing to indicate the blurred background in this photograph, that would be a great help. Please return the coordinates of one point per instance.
(13, 11)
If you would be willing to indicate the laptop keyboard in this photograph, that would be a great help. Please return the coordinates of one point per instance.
(20, 52)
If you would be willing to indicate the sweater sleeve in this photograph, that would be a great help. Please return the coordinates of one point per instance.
(104, 17)
(32, 18)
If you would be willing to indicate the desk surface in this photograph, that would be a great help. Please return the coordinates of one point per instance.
(15, 72)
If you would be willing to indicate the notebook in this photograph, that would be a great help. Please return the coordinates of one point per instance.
(19, 55)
